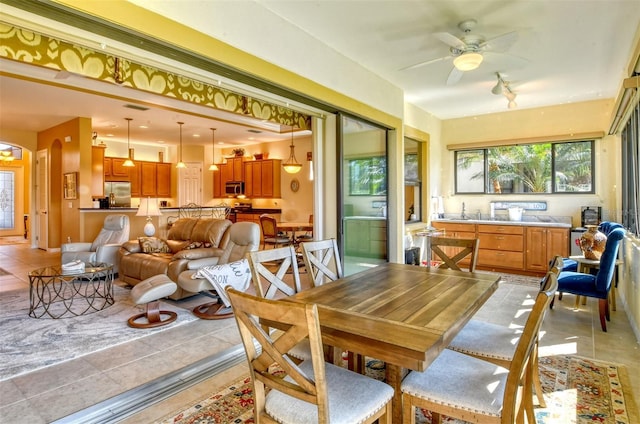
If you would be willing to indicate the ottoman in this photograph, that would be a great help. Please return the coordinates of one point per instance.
(149, 292)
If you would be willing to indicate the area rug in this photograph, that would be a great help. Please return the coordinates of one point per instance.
(28, 344)
(577, 390)
(3, 272)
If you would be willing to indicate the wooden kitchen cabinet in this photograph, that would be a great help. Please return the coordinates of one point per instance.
(501, 246)
(366, 237)
(163, 176)
(263, 178)
(148, 179)
(97, 171)
(232, 170)
(455, 230)
(135, 179)
(543, 243)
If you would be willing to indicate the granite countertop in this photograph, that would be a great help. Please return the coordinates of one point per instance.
(527, 220)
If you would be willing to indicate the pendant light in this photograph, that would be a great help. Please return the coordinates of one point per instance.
(291, 166)
(213, 166)
(180, 163)
(128, 163)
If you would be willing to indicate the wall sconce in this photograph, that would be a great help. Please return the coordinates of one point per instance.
(310, 160)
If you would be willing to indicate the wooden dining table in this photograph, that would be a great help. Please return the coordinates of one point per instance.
(404, 315)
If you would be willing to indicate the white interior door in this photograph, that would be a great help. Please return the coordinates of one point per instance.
(190, 184)
(42, 200)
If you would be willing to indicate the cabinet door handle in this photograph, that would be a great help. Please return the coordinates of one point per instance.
(499, 238)
(499, 254)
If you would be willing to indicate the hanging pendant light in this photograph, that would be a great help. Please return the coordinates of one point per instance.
(213, 166)
(291, 166)
(128, 163)
(180, 163)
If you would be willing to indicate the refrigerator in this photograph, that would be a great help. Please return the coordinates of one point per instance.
(118, 194)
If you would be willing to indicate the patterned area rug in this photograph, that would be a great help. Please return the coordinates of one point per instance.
(28, 344)
(577, 390)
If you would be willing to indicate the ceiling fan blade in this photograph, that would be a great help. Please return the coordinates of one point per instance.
(454, 76)
(450, 40)
(425, 63)
(501, 43)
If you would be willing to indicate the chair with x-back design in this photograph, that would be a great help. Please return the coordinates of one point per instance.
(453, 250)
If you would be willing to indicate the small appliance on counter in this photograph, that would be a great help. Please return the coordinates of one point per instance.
(590, 215)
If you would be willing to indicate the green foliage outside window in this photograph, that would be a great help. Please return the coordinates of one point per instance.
(368, 176)
(528, 168)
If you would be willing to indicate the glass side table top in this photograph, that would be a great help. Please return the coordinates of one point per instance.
(56, 270)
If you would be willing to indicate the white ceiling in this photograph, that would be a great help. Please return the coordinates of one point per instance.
(566, 51)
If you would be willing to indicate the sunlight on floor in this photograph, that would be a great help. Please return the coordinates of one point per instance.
(558, 349)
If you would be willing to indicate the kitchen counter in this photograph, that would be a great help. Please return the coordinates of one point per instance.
(535, 221)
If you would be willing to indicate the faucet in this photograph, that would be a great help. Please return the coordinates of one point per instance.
(463, 215)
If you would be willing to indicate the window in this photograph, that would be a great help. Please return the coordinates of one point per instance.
(412, 181)
(565, 167)
(368, 176)
(631, 173)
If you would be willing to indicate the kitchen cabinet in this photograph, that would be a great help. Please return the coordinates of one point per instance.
(163, 175)
(263, 178)
(97, 171)
(543, 243)
(501, 246)
(148, 179)
(459, 231)
(366, 237)
(232, 170)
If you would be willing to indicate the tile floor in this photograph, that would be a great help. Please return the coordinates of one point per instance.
(60, 391)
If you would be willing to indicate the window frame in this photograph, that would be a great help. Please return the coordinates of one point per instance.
(553, 190)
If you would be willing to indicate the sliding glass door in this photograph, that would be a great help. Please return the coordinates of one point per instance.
(362, 189)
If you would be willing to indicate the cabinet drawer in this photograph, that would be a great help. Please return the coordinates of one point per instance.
(454, 227)
(500, 229)
(510, 242)
(500, 259)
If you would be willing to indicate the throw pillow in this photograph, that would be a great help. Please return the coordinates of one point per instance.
(153, 245)
(198, 244)
(235, 274)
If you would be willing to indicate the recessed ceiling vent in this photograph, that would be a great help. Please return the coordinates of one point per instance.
(255, 131)
(136, 107)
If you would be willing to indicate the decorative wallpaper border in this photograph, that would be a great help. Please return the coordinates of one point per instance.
(26, 46)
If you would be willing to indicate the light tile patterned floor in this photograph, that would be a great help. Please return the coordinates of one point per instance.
(75, 385)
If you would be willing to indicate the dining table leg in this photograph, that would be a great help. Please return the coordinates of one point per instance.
(394, 375)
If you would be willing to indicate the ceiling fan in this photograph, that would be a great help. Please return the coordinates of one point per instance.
(468, 49)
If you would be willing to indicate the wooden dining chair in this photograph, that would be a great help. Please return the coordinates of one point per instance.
(270, 234)
(474, 390)
(275, 275)
(497, 343)
(308, 235)
(323, 265)
(451, 251)
(313, 391)
(322, 261)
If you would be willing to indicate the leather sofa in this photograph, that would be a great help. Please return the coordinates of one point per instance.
(189, 239)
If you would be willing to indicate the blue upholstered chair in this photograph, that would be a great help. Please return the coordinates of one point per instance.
(598, 285)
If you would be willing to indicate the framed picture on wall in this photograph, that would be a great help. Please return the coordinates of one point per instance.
(70, 185)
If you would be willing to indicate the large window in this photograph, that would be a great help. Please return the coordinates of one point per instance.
(565, 167)
(631, 173)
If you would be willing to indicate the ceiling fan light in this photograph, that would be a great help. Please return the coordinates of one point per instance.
(468, 61)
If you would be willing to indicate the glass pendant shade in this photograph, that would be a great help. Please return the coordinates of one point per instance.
(213, 166)
(291, 166)
(180, 164)
(128, 163)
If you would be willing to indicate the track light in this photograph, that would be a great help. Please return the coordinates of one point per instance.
(502, 87)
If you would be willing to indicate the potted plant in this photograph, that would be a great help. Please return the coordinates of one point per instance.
(238, 151)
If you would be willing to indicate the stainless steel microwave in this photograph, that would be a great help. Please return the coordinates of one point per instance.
(234, 188)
